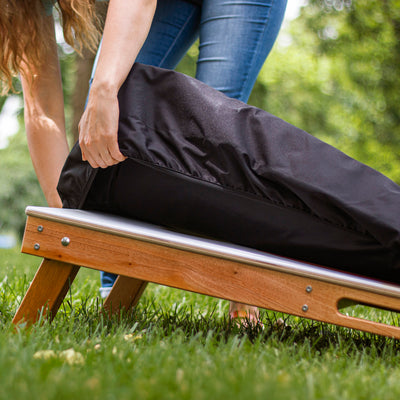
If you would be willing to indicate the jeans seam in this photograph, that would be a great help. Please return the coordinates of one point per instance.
(176, 37)
(247, 77)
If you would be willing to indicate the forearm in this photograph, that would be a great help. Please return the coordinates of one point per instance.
(126, 28)
(44, 120)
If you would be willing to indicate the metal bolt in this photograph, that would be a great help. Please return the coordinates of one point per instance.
(305, 308)
(36, 246)
(309, 289)
(40, 228)
(65, 241)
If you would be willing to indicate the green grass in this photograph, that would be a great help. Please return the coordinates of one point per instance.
(179, 345)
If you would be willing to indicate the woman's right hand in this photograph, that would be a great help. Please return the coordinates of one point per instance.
(98, 129)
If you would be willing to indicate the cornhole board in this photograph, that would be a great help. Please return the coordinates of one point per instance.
(68, 239)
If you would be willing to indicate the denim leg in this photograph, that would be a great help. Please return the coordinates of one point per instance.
(174, 29)
(236, 37)
(107, 279)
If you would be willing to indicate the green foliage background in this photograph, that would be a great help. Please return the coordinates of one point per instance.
(336, 77)
(339, 78)
(18, 185)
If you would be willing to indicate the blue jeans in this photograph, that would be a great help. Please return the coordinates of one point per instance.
(235, 38)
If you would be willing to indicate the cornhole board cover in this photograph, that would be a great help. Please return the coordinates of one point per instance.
(139, 253)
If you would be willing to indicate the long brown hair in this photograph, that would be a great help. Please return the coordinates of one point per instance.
(23, 36)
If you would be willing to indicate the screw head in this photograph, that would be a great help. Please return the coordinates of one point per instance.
(65, 241)
(36, 246)
(40, 228)
(305, 308)
(309, 289)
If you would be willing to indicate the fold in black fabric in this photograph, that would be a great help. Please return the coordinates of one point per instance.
(203, 163)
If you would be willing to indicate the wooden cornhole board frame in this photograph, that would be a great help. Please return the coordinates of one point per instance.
(141, 253)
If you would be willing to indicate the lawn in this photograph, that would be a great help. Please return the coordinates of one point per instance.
(179, 345)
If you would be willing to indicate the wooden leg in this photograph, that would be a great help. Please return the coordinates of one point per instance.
(125, 294)
(46, 292)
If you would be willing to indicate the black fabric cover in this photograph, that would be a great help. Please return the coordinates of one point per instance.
(203, 163)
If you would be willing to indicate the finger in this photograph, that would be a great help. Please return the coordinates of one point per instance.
(93, 163)
(98, 162)
(95, 154)
(95, 160)
(84, 150)
(107, 159)
(115, 152)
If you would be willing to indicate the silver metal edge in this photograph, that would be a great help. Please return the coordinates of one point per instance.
(220, 250)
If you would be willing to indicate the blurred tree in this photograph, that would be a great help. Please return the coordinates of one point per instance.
(19, 186)
(339, 78)
(2, 101)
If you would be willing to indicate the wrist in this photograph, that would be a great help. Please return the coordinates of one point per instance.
(104, 88)
(53, 200)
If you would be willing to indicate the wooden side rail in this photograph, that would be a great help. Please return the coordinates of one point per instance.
(140, 253)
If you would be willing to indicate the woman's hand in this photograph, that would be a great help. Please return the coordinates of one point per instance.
(98, 129)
